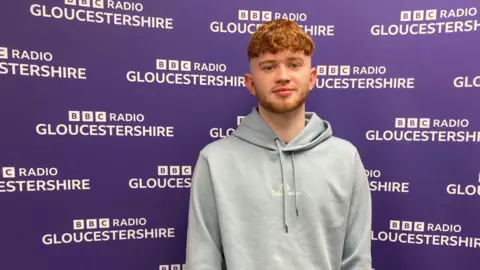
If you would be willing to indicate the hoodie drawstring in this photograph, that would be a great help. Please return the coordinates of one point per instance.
(284, 186)
(295, 182)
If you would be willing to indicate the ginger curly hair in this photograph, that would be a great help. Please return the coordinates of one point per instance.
(278, 35)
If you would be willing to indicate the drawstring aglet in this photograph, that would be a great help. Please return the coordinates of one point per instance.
(297, 211)
(286, 228)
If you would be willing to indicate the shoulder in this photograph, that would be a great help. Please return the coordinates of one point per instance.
(341, 152)
(341, 146)
(220, 147)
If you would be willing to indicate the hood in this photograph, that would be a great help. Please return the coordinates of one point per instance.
(254, 130)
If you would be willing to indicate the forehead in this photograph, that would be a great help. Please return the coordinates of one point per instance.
(282, 55)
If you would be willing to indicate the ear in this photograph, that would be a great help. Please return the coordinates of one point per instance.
(249, 83)
(313, 77)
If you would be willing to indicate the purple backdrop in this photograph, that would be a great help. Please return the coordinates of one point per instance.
(104, 106)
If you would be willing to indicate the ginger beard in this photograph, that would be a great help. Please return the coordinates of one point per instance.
(274, 103)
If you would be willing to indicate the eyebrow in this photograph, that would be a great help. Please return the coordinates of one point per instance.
(266, 62)
(295, 58)
(273, 61)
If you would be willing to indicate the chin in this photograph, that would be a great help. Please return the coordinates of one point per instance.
(281, 107)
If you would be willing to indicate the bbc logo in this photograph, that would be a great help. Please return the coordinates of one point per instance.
(8, 172)
(87, 116)
(3, 53)
(418, 15)
(254, 15)
(333, 70)
(412, 122)
(163, 64)
(398, 225)
(173, 267)
(174, 170)
(86, 3)
(82, 224)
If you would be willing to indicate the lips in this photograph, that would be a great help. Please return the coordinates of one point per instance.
(283, 90)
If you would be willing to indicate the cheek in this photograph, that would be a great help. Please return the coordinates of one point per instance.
(303, 79)
(262, 83)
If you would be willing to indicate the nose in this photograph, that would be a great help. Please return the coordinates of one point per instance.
(282, 75)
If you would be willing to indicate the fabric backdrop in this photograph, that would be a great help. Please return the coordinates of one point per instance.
(105, 105)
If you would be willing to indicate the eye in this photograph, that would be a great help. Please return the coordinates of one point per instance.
(268, 67)
(295, 65)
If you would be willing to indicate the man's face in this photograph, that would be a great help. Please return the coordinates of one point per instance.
(281, 82)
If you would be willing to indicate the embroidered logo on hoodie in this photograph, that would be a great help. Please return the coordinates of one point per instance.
(279, 191)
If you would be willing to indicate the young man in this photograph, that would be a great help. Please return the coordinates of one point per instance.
(282, 192)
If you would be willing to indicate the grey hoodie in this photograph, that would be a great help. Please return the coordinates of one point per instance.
(258, 203)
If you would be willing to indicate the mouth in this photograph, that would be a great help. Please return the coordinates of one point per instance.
(283, 90)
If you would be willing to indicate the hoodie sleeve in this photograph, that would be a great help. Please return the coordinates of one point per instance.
(357, 246)
(204, 246)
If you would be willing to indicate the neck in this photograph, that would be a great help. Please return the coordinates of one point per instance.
(286, 125)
